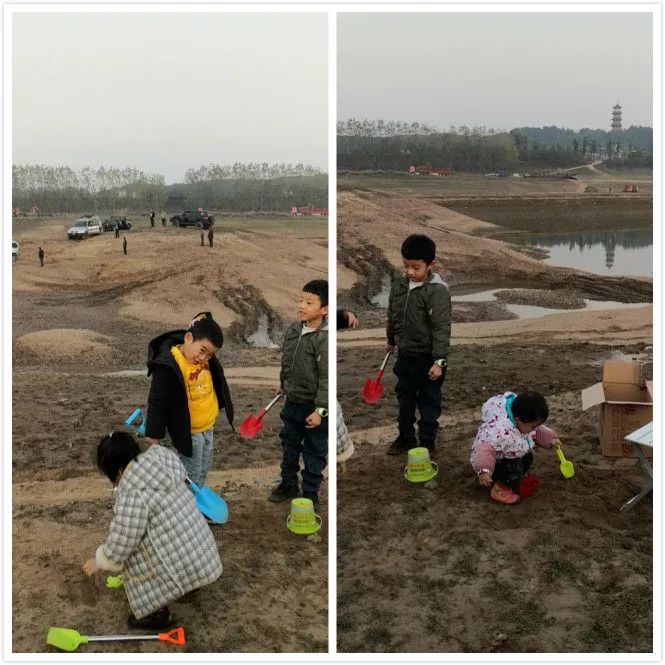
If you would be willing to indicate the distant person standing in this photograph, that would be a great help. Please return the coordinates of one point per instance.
(203, 238)
(124, 245)
(163, 219)
(211, 236)
(152, 218)
(116, 228)
(40, 254)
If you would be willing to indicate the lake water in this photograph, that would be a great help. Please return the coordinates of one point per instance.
(613, 253)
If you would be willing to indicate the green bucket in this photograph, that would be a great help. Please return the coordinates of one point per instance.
(302, 519)
(419, 467)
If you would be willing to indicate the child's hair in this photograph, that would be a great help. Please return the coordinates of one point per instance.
(204, 326)
(530, 407)
(418, 247)
(319, 287)
(114, 452)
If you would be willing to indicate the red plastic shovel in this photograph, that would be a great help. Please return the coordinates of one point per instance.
(252, 425)
(373, 390)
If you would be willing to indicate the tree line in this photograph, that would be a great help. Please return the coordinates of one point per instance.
(236, 188)
(396, 145)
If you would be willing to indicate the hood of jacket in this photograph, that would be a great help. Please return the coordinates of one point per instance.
(157, 470)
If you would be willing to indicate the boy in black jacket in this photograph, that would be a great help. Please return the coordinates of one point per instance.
(187, 391)
(304, 379)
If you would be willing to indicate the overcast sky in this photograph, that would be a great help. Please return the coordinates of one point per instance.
(166, 92)
(498, 70)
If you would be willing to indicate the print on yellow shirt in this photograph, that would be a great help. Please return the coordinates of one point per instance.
(201, 398)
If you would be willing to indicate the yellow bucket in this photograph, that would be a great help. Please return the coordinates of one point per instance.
(419, 467)
(303, 520)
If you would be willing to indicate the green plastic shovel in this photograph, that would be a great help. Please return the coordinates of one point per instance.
(566, 466)
(68, 639)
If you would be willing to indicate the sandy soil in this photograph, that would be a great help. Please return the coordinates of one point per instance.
(81, 326)
(442, 568)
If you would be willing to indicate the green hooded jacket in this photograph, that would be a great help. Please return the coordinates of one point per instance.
(304, 374)
(419, 319)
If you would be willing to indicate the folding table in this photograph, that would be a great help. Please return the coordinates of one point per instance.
(641, 437)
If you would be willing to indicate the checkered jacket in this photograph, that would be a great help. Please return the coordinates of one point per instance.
(344, 443)
(157, 537)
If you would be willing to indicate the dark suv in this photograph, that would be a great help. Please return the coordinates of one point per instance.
(123, 223)
(198, 218)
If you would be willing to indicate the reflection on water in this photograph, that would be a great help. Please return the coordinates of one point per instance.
(600, 252)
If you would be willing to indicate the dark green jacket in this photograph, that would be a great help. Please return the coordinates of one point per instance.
(304, 374)
(419, 320)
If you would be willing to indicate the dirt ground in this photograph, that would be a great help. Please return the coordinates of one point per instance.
(442, 568)
(81, 326)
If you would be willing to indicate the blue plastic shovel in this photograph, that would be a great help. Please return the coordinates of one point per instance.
(131, 422)
(209, 503)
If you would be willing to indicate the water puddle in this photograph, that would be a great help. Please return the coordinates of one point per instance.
(614, 253)
(382, 297)
(261, 337)
(535, 311)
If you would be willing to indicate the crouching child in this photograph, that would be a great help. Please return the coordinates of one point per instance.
(502, 452)
(157, 539)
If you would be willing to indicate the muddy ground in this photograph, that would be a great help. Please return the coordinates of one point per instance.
(444, 569)
(79, 355)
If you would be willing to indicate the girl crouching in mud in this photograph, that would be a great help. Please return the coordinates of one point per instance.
(157, 539)
(502, 454)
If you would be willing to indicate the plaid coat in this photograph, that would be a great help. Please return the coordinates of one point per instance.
(344, 443)
(157, 537)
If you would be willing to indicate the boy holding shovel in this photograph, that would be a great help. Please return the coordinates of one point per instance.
(304, 380)
(419, 315)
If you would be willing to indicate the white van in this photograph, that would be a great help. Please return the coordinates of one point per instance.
(83, 227)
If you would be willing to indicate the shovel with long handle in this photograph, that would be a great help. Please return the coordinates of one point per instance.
(68, 639)
(252, 425)
(373, 388)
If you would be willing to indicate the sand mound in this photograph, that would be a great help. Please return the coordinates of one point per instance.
(64, 344)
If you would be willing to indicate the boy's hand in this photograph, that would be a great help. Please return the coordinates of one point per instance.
(351, 318)
(485, 479)
(151, 442)
(313, 420)
(90, 567)
(434, 372)
(280, 390)
(390, 347)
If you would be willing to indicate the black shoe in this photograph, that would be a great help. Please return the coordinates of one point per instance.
(159, 620)
(430, 445)
(400, 446)
(284, 492)
(314, 496)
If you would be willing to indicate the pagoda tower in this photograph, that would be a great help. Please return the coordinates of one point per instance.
(616, 117)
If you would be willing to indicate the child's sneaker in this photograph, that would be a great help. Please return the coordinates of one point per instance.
(401, 445)
(314, 497)
(528, 485)
(503, 494)
(284, 492)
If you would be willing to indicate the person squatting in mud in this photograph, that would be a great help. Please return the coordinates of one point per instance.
(304, 380)
(419, 316)
(187, 391)
(157, 538)
(502, 452)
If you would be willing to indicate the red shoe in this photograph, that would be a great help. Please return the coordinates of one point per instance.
(503, 494)
(527, 485)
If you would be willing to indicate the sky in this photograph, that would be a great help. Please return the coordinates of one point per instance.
(495, 70)
(167, 92)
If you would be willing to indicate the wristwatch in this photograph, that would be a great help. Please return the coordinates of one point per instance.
(322, 412)
(441, 362)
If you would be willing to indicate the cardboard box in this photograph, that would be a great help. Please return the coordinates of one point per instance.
(626, 403)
